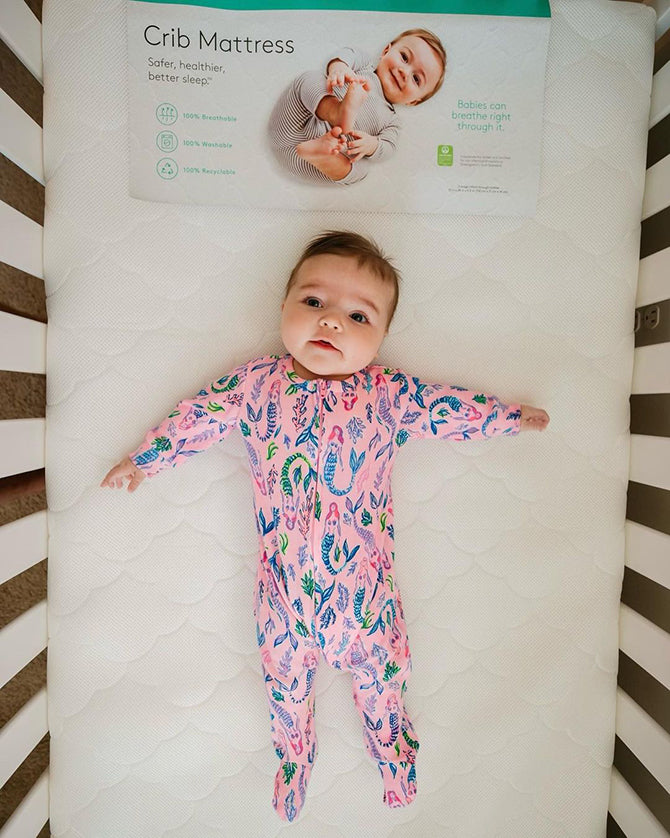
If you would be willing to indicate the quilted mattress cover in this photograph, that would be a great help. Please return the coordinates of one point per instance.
(509, 552)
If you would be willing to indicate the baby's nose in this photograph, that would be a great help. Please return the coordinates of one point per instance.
(331, 321)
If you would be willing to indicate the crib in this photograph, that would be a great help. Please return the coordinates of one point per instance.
(639, 804)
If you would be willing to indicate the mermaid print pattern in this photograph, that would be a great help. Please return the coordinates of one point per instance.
(321, 454)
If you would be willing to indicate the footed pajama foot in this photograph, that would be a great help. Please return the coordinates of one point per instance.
(399, 783)
(290, 789)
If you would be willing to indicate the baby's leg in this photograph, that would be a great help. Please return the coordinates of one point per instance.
(289, 677)
(326, 153)
(343, 112)
(379, 682)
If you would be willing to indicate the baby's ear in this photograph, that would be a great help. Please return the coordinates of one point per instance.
(387, 48)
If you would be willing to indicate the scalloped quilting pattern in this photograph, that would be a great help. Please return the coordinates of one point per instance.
(509, 553)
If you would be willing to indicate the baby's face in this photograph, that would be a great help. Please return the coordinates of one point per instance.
(334, 317)
(408, 70)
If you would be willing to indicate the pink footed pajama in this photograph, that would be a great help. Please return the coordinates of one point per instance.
(321, 454)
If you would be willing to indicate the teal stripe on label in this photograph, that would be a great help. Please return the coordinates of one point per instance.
(499, 8)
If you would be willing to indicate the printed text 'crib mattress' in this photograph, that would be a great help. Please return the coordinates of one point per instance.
(509, 552)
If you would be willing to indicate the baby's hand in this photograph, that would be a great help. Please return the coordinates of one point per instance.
(533, 418)
(125, 470)
(338, 74)
(363, 145)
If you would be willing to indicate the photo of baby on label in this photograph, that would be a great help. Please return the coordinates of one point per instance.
(330, 127)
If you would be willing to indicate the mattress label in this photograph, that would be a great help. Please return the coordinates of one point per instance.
(433, 106)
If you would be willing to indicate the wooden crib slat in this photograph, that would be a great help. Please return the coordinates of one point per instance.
(20, 138)
(21, 241)
(22, 344)
(660, 95)
(628, 810)
(646, 739)
(646, 644)
(21, 445)
(653, 278)
(649, 458)
(647, 552)
(31, 814)
(22, 32)
(22, 733)
(23, 543)
(656, 188)
(21, 640)
(651, 370)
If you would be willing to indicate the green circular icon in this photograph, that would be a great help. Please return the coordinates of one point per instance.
(167, 168)
(167, 141)
(166, 114)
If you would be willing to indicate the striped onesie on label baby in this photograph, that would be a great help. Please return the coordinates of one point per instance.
(294, 119)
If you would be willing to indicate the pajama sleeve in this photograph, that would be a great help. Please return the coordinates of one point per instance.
(193, 425)
(441, 411)
(358, 61)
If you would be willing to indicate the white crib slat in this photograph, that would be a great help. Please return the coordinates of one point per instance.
(660, 95)
(646, 738)
(647, 552)
(23, 344)
(31, 814)
(651, 369)
(20, 137)
(662, 16)
(654, 278)
(22, 733)
(627, 810)
(22, 640)
(656, 188)
(21, 241)
(21, 445)
(650, 460)
(23, 543)
(22, 32)
(645, 643)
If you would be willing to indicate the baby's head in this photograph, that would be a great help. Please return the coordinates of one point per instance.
(338, 304)
(412, 67)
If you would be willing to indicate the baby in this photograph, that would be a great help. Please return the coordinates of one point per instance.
(323, 132)
(322, 426)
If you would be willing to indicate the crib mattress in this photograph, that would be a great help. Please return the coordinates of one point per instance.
(509, 551)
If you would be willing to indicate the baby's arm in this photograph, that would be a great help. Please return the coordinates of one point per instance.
(344, 68)
(339, 73)
(377, 147)
(439, 411)
(193, 426)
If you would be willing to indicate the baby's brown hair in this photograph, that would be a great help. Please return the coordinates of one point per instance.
(435, 44)
(354, 246)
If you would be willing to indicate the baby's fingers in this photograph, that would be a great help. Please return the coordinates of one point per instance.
(335, 80)
(135, 480)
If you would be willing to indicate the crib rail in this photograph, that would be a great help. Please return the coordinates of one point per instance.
(640, 799)
(24, 804)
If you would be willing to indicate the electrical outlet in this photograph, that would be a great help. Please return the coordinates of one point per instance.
(638, 321)
(652, 317)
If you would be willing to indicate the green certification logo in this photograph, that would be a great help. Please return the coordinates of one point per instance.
(445, 155)
(167, 141)
(167, 168)
(166, 114)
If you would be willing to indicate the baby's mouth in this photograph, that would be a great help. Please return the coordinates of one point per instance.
(324, 344)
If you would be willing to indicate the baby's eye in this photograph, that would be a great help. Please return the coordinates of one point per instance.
(358, 317)
(313, 302)
(403, 55)
(416, 79)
